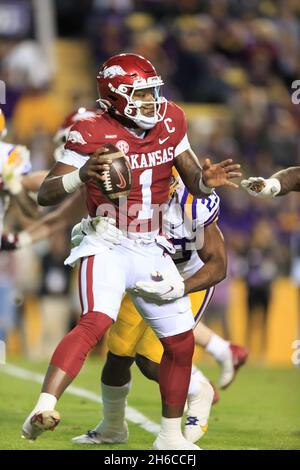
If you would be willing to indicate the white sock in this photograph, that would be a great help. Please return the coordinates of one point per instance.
(45, 402)
(218, 348)
(114, 405)
(171, 428)
(197, 377)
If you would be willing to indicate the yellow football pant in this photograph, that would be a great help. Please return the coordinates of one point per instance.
(130, 335)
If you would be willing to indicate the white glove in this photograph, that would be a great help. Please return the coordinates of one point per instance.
(14, 167)
(105, 228)
(102, 227)
(262, 187)
(162, 287)
(76, 235)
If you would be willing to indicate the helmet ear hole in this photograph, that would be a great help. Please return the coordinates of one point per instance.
(112, 97)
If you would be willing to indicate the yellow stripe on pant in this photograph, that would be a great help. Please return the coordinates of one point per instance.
(130, 335)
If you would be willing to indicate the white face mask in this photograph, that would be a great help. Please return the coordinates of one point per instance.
(145, 122)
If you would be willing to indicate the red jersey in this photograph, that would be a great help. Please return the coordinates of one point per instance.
(151, 159)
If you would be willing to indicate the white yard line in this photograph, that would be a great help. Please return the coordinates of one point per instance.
(131, 413)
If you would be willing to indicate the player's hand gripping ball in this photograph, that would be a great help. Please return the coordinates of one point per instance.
(117, 179)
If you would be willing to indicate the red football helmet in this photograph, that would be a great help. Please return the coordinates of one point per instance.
(119, 78)
(61, 135)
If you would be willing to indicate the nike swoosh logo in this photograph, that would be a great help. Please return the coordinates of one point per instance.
(162, 141)
(122, 184)
(173, 227)
(168, 291)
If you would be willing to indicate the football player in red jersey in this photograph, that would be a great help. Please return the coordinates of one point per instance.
(152, 133)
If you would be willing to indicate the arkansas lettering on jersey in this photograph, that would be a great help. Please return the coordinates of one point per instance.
(151, 159)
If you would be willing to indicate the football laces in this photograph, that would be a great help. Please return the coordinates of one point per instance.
(107, 181)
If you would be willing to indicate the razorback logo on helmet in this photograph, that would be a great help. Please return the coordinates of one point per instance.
(113, 71)
(76, 138)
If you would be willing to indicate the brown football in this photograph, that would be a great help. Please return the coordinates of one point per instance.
(118, 178)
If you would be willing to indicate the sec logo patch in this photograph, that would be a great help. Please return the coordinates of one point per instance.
(123, 146)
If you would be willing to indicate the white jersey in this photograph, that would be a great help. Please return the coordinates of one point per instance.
(185, 220)
(13, 154)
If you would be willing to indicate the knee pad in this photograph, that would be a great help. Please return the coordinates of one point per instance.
(74, 347)
(179, 347)
(175, 368)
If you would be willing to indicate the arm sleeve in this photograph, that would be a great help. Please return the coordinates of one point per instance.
(69, 157)
(207, 210)
(183, 145)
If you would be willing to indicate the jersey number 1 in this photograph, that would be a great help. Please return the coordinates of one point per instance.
(146, 181)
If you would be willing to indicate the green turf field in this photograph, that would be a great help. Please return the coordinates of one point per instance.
(261, 410)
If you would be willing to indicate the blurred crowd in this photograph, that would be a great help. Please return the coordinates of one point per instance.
(231, 62)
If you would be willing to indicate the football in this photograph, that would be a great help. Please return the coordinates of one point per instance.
(118, 178)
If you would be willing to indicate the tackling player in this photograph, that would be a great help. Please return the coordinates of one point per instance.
(152, 133)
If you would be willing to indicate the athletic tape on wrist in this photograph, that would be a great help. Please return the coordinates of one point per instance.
(71, 181)
(203, 188)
